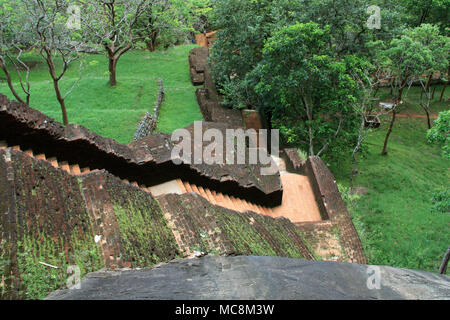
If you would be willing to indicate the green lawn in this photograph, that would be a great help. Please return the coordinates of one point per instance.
(395, 219)
(114, 112)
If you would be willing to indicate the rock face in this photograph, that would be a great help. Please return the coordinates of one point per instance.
(249, 278)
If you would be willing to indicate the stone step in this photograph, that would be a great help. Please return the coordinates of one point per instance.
(229, 203)
(210, 196)
(203, 193)
(75, 169)
(65, 166)
(195, 189)
(218, 197)
(188, 187)
(29, 152)
(53, 161)
(181, 186)
(252, 207)
(41, 156)
(85, 170)
(242, 207)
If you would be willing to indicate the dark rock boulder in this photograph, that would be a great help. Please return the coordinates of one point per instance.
(243, 277)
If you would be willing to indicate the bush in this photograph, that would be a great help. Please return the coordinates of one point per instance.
(440, 133)
(441, 201)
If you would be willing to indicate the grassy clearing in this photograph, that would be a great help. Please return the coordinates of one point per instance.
(395, 218)
(114, 112)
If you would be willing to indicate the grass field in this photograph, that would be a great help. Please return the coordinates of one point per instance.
(394, 218)
(115, 112)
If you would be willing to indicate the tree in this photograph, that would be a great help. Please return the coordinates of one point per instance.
(440, 133)
(439, 47)
(112, 24)
(166, 22)
(245, 25)
(311, 91)
(11, 43)
(45, 23)
(404, 58)
(429, 11)
(361, 72)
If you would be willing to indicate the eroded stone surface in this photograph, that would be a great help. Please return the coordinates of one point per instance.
(259, 278)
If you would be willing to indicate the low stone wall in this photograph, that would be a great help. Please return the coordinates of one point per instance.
(207, 97)
(334, 210)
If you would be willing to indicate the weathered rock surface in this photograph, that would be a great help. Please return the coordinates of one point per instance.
(243, 277)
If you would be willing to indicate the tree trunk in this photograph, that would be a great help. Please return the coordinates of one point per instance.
(443, 91)
(59, 97)
(430, 77)
(151, 44)
(9, 81)
(434, 91)
(428, 118)
(355, 150)
(61, 102)
(391, 126)
(445, 85)
(443, 268)
(113, 71)
(394, 115)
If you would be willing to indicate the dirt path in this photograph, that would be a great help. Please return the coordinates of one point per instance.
(416, 116)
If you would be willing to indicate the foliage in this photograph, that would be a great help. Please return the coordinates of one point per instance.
(111, 24)
(440, 133)
(311, 91)
(441, 200)
(245, 25)
(167, 22)
(351, 199)
(431, 11)
(302, 154)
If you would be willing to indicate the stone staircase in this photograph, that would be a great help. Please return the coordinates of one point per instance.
(298, 204)
(223, 200)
